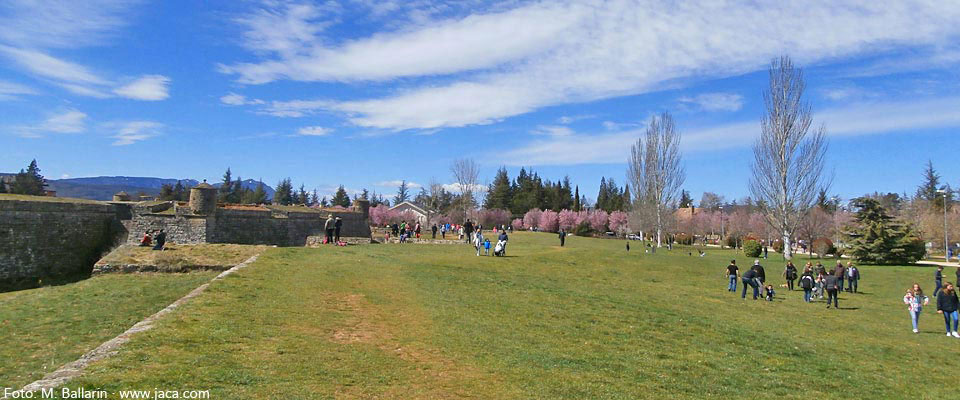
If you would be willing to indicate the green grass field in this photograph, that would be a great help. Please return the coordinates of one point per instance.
(585, 321)
(42, 329)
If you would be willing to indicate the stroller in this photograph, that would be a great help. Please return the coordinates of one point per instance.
(501, 249)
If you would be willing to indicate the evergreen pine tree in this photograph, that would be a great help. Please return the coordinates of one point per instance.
(223, 193)
(626, 202)
(302, 196)
(259, 195)
(602, 195)
(403, 193)
(576, 199)
(931, 184)
(166, 193)
(284, 193)
(29, 182)
(685, 200)
(314, 199)
(341, 198)
(500, 193)
(324, 202)
(180, 193)
(878, 238)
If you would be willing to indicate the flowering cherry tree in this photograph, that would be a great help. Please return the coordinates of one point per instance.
(567, 219)
(517, 224)
(619, 221)
(532, 218)
(548, 221)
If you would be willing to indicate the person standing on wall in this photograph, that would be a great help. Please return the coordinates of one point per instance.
(328, 228)
(337, 224)
(563, 236)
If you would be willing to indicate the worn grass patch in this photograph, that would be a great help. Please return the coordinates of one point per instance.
(585, 321)
(180, 255)
(42, 329)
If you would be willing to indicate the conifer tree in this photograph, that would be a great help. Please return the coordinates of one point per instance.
(685, 200)
(878, 238)
(260, 194)
(29, 182)
(500, 192)
(576, 199)
(341, 198)
(223, 193)
(166, 193)
(284, 193)
(180, 193)
(403, 193)
(314, 199)
(302, 196)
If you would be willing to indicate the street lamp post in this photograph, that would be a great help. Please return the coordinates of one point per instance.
(721, 227)
(946, 243)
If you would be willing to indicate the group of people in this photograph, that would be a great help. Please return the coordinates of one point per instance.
(483, 244)
(332, 229)
(404, 231)
(815, 280)
(947, 302)
(156, 239)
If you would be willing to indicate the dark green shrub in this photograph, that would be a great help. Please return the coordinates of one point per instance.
(752, 248)
(583, 229)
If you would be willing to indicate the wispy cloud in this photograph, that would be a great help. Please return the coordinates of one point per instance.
(714, 101)
(553, 130)
(66, 121)
(234, 99)
(314, 131)
(148, 87)
(500, 64)
(130, 132)
(396, 183)
(852, 120)
(11, 91)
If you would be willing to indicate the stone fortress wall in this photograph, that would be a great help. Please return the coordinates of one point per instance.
(42, 240)
(58, 239)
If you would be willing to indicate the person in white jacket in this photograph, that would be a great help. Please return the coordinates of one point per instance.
(915, 300)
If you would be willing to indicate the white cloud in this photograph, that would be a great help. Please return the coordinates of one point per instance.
(62, 24)
(852, 120)
(148, 87)
(478, 189)
(553, 130)
(715, 101)
(50, 67)
(314, 131)
(396, 183)
(501, 64)
(67, 121)
(130, 132)
(234, 99)
(10, 90)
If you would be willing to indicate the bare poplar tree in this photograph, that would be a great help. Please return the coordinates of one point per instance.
(656, 172)
(788, 159)
(466, 172)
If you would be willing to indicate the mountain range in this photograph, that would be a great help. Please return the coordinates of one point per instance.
(104, 187)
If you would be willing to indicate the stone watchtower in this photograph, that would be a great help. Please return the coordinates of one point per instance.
(203, 199)
(121, 196)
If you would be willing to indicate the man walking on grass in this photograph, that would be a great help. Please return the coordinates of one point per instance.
(830, 282)
(733, 273)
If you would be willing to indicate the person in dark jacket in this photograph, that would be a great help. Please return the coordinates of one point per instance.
(830, 284)
(160, 240)
(328, 227)
(337, 224)
(761, 277)
(938, 279)
(433, 229)
(947, 303)
(468, 230)
(806, 283)
(749, 280)
(790, 274)
(853, 277)
(563, 236)
(841, 275)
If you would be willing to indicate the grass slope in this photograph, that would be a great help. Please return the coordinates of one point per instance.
(585, 321)
(42, 329)
(175, 256)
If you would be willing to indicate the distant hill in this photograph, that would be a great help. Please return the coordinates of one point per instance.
(104, 187)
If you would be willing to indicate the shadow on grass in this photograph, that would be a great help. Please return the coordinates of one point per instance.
(33, 283)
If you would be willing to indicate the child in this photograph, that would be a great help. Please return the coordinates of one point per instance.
(486, 247)
(915, 300)
(768, 292)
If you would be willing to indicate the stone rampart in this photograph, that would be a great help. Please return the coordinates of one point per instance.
(51, 240)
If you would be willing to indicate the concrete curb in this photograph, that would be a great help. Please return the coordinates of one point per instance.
(73, 369)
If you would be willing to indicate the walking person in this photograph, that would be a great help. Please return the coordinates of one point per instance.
(478, 242)
(733, 273)
(433, 230)
(761, 277)
(468, 230)
(749, 280)
(807, 283)
(841, 275)
(765, 249)
(563, 236)
(938, 279)
(915, 300)
(830, 282)
(790, 274)
(328, 227)
(947, 303)
(337, 225)
(853, 277)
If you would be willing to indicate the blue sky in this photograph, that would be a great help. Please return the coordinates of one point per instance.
(365, 93)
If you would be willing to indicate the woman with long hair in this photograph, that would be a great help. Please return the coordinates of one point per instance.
(915, 300)
(947, 304)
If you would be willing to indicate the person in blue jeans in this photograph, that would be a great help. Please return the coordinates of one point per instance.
(947, 303)
(806, 283)
(749, 280)
(915, 300)
(733, 273)
(938, 279)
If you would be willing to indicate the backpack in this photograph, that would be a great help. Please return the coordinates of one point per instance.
(806, 282)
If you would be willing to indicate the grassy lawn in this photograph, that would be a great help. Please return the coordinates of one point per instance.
(585, 321)
(42, 329)
(178, 255)
(23, 197)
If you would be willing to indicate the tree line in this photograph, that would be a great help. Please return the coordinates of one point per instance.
(28, 181)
